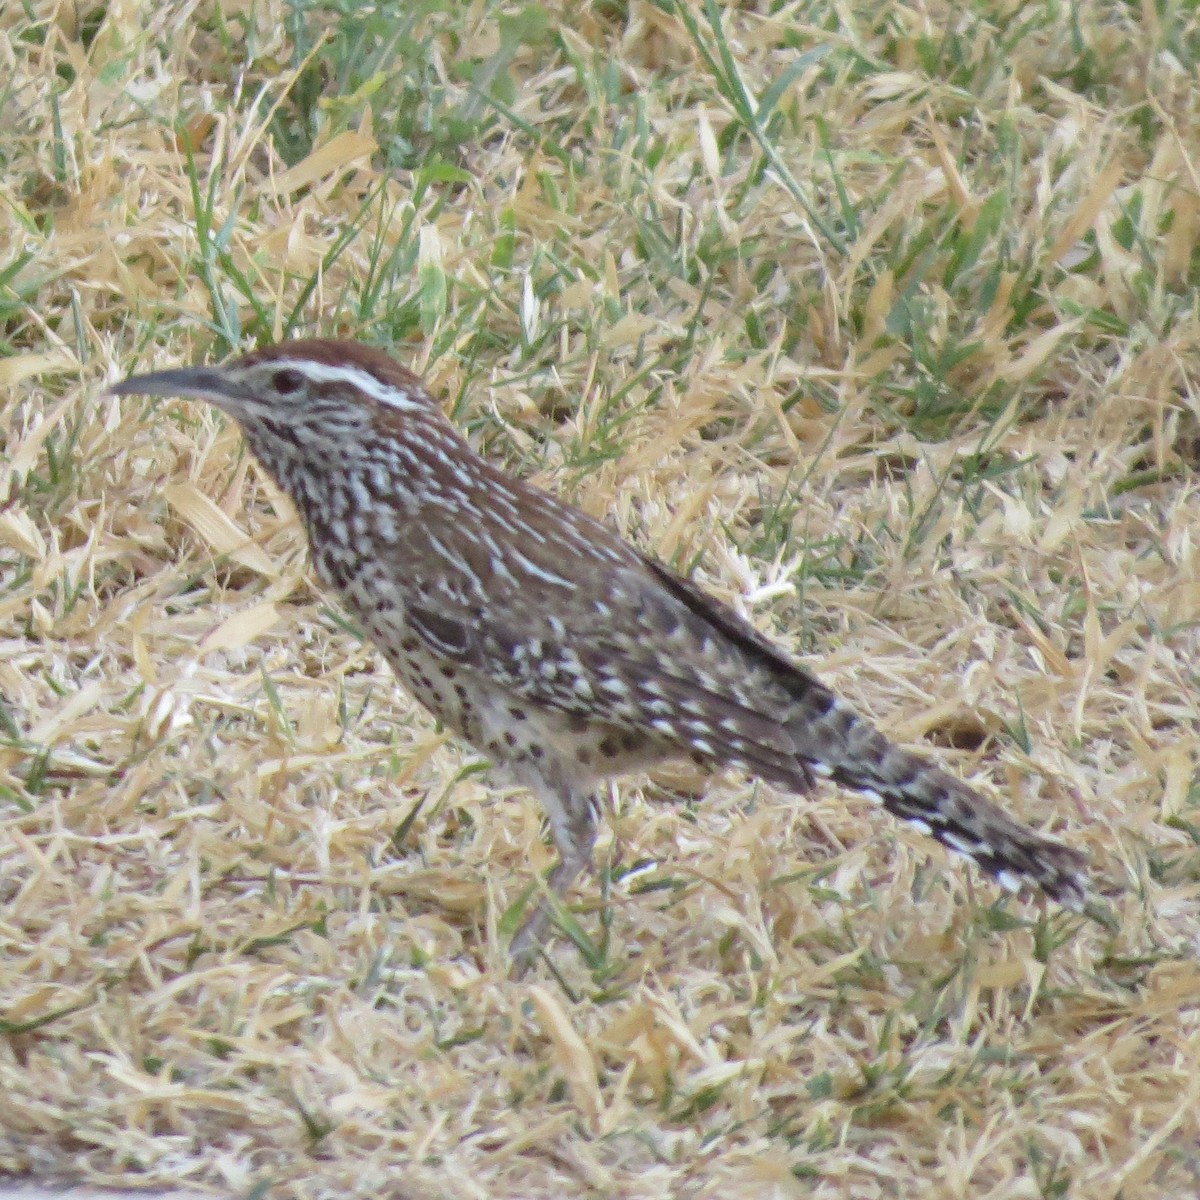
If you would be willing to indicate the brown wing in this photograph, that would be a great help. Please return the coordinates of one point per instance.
(640, 649)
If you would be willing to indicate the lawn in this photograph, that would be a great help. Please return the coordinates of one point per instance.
(881, 321)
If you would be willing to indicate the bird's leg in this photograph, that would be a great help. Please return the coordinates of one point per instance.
(573, 827)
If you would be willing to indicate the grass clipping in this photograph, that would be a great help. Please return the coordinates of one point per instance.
(887, 333)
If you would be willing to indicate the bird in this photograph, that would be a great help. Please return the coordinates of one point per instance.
(544, 639)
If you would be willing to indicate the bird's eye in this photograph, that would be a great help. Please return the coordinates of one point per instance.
(286, 382)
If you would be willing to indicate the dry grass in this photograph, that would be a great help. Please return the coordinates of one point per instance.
(882, 321)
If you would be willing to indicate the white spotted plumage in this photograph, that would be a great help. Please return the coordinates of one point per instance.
(545, 639)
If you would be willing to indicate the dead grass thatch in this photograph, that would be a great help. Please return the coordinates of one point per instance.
(882, 320)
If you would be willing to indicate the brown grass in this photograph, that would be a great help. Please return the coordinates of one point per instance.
(907, 368)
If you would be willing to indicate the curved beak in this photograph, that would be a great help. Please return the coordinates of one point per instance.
(200, 383)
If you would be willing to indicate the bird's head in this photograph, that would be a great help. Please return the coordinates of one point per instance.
(318, 393)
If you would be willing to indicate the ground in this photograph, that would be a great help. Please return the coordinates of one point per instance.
(880, 321)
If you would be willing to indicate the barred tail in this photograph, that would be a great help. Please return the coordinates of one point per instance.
(835, 742)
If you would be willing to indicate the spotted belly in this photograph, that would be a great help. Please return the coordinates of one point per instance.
(496, 720)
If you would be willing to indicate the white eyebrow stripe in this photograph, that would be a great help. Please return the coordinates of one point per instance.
(387, 394)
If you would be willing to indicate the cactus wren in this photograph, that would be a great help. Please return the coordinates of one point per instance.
(541, 637)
